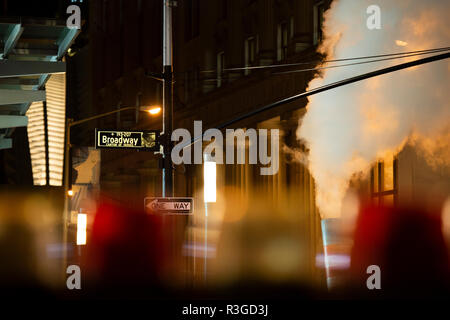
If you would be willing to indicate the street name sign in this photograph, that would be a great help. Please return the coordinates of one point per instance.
(127, 139)
(170, 206)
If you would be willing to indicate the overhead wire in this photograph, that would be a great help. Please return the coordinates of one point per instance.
(384, 57)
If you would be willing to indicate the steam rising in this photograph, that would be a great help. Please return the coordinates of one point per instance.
(348, 128)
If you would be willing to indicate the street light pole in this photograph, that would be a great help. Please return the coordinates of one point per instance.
(68, 165)
(167, 179)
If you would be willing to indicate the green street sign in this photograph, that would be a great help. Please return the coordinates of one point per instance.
(146, 140)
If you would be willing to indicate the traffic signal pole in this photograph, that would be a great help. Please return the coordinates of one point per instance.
(167, 176)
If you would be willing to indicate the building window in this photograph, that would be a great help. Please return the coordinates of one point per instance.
(102, 20)
(250, 50)
(187, 85)
(319, 10)
(383, 186)
(282, 41)
(220, 68)
(224, 9)
(191, 82)
(192, 18)
(291, 26)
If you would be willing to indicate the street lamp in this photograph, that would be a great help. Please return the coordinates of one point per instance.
(153, 110)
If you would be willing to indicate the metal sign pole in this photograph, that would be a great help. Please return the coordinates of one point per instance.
(167, 179)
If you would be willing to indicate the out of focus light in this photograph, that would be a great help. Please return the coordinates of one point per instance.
(209, 180)
(335, 261)
(350, 210)
(446, 218)
(281, 256)
(81, 228)
(198, 250)
(330, 238)
(70, 193)
(401, 43)
(153, 110)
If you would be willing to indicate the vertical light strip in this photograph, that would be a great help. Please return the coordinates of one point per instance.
(209, 180)
(81, 229)
(56, 115)
(36, 140)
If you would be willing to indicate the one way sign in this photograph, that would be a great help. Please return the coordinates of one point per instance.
(173, 205)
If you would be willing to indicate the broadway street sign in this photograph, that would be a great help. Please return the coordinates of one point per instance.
(173, 206)
(126, 139)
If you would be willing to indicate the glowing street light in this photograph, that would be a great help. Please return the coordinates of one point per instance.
(153, 110)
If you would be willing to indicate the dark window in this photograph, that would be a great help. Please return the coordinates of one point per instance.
(282, 41)
(192, 16)
(191, 82)
(187, 88)
(224, 9)
(319, 10)
(196, 76)
(383, 184)
(220, 68)
(250, 52)
(104, 13)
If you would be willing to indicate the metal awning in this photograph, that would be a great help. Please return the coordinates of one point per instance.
(30, 50)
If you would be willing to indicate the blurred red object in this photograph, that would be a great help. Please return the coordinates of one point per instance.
(408, 246)
(126, 247)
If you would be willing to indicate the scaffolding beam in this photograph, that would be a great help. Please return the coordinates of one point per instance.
(8, 121)
(20, 96)
(15, 31)
(13, 68)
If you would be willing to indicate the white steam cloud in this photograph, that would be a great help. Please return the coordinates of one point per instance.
(348, 128)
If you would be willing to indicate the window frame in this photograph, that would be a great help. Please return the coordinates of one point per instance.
(220, 68)
(251, 44)
(283, 37)
(377, 191)
(318, 11)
